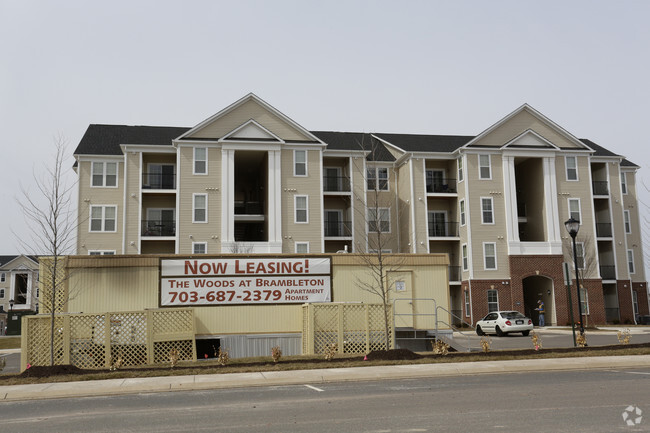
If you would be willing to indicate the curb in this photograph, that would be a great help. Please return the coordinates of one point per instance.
(302, 377)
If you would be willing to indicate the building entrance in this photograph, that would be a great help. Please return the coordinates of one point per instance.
(539, 288)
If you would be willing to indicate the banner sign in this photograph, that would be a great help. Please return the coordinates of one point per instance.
(188, 282)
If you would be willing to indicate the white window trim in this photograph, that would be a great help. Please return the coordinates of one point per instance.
(383, 251)
(496, 267)
(489, 166)
(295, 209)
(462, 212)
(467, 302)
(491, 210)
(630, 262)
(296, 244)
(194, 161)
(582, 248)
(379, 209)
(624, 187)
(90, 219)
(102, 252)
(460, 170)
(194, 195)
(487, 297)
(464, 257)
(103, 185)
(3, 277)
(569, 200)
(635, 303)
(376, 178)
(295, 163)
(2, 294)
(566, 169)
(205, 245)
(584, 299)
(626, 222)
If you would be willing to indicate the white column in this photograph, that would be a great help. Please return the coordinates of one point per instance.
(274, 197)
(227, 195)
(510, 197)
(553, 223)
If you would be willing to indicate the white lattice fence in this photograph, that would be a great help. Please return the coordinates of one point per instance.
(94, 341)
(354, 328)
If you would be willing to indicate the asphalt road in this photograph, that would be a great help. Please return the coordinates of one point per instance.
(583, 401)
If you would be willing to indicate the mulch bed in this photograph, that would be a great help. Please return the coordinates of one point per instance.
(379, 355)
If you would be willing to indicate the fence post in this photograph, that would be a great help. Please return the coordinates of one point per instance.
(149, 333)
(341, 342)
(66, 339)
(367, 308)
(107, 340)
(392, 331)
(312, 332)
(24, 340)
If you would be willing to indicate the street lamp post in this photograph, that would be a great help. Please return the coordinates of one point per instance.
(572, 226)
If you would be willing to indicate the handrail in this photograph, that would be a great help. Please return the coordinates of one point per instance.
(469, 345)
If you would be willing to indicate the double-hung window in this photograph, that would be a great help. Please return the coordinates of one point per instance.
(199, 247)
(379, 220)
(493, 300)
(465, 258)
(200, 160)
(3, 277)
(461, 174)
(580, 254)
(484, 170)
(626, 218)
(103, 218)
(377, 178)
(490, 255)
(104, 174)
(630, 261)
(200, 208)
(301, 203)
(101, 252)
(300, 163)
(302, 247)
(461, 205)
(635, 303)
(2, 294)
(574, 209)
(466, 303)
(487, 210)
(624, 183)
(584, 301)
(571, 168)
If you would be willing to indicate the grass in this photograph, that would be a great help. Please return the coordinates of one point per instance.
(289, 363)
(10, 343)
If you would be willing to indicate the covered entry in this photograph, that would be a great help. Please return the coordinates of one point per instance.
(535, 288)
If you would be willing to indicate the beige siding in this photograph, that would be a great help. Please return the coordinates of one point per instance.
(358, 203)
(242, 114)
(419, 206)
(386, 199)
(634, 241)
(133, 203)
(404, 225)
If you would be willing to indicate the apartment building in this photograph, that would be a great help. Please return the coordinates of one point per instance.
(249, 179)
(18, 290)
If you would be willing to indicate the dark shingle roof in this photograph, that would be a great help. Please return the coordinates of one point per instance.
(601, 151)
(355, 141)
(6, 259)
(106, 139)
(426, 143)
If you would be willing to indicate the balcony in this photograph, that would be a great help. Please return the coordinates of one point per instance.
(249, 208)
(600, 187)
(336, 184)
(158, 228)
(338, 229)
(608, 272)
(158, 181)
(443, 229)
(446, 186)
(454, 274)
(604, 230)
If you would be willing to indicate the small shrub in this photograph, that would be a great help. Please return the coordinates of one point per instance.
(3, 363)
(330, 351)
(486, 342)
(116, 363)
(581, 340)
(440, 347)
(276, 353)
(537, 340)
(222, 357)
(173, 357)
(624, 336)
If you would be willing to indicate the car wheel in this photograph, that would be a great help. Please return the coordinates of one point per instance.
(499, 331)
(525, 333)
(479, 331)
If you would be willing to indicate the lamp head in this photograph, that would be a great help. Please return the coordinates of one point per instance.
(572, 226)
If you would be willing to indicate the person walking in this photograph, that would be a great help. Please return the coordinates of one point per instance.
(540, 310)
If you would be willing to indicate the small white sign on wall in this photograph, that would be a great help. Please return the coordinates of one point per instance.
(400, 286)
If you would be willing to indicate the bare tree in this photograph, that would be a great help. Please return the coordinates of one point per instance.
(587, 264)
(52, 224)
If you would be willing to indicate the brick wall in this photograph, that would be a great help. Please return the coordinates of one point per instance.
(642, 297)
(480, 301)
(625, 301)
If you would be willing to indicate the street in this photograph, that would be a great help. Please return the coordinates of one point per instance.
(578, 401)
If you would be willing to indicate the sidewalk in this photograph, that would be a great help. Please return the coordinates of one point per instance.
(304, 377)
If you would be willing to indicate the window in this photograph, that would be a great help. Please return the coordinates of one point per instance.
(377, 178)
(571, 168)
(635, 303)
(584, 301)
(200, 208)
(461, 176)
(466, 303)
(580, 254)
(101, 252)
(300, 163)
(302, 247)
(624, 183)
(103, 218)
(379, 220)
(490, 255)
(438, 224)
(630, 261)
(199, 247)
(3, 277)
(104, 174)
(461, 204)
(160, 176)
(626, 217)
(484, 171)
(574, 209)
(2, 293)
(435, 181)
(465, 259)
(200, 160)
(487, 215)
(301, 205)
(383, 251)
(493, 300)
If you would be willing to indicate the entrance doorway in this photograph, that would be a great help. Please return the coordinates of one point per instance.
(539, 288)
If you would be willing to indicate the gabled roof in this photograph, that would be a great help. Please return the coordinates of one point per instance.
(106, 139)
(6, 260)
(426, 143)
(359, 141)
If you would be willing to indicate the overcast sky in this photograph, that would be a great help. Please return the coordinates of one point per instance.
(429, 67)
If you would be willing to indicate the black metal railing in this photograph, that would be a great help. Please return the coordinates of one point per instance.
(604, 230)
(611, 314)
(249, 208)
(441, 186)
(608, 272)
(158, 181)
(440, 229)
(600, 187)
(338, 228)
(455, 273)
(158, 228)
(521, 209)
(336, 184)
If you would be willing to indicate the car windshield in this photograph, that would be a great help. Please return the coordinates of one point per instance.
(513, 315)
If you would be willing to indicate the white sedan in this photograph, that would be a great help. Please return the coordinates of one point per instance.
(504, 322)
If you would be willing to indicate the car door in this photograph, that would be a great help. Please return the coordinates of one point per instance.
(490, 322)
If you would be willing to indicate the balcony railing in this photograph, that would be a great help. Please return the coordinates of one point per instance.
(441, 186)
(521, 210)
(336, 184)
(608, 272)
(441, 230)
(249, 208)
(158, 181)
(604, 230)
(455, 273)
(600, 187)
(338, 229)
(158, 228)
